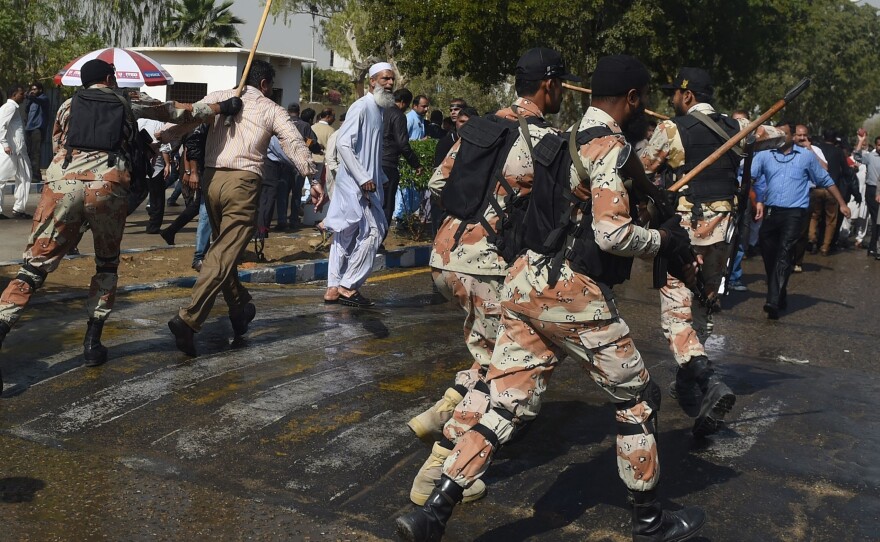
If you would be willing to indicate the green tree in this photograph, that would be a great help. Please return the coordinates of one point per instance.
(201, 23)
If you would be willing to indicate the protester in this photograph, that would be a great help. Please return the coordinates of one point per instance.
(782, 184)
(233, 168)
(434, 128)
(290, 189)
(323, 129)
(37, 127)
(193, 159)
(14, 161)
(415, 118)
(802, 139)
(871, 159)
(395, 143)
(355, 215)
(823, 203)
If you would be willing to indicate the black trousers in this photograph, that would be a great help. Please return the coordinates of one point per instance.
(873, 206)
(273, 173)
(389, 192)
(780, 232)
(189, 212)
(156, 188)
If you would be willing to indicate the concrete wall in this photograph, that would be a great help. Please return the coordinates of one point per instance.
(221, 70)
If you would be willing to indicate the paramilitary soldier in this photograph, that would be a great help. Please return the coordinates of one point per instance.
(557, 301)
(467, 265)
(706, 207)
(88, 186)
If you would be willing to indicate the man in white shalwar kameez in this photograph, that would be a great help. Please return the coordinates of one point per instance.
(15, 165)
(355, 215)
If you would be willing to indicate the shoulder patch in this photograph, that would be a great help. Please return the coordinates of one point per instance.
(599, 147)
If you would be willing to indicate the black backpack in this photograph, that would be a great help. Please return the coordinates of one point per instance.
(470, 189)
(101, 120)
(549, 227)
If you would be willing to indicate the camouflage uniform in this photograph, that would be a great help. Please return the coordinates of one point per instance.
(707, 234)
(88, 193)
(471, 271)
(577, 317)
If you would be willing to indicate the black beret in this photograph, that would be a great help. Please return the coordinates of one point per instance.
(95, 71)
(616, 75)
(694, 79)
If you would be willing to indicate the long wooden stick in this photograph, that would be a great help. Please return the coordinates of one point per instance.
(589, 91)
(247, 67)
(730, 143)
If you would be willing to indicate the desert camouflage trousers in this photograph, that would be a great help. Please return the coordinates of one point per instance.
(525, 356)
(478, 296)
(66, 210)
(677, 317)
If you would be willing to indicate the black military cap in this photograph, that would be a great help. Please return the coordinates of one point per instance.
(95, 71)
(696, 80)
(615, 75)
(542, 63)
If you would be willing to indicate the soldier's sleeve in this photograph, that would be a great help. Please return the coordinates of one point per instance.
(768, 137)
(59, 130)
(613, 225)
(664, 147)
(441, 173)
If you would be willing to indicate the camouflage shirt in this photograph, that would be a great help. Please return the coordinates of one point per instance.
(93, 165)
(474, 254)
(576, 297)
(666, 147)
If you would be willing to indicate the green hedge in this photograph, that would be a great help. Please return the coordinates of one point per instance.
(424, 149)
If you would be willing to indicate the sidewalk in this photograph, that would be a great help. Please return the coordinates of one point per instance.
(147, 262)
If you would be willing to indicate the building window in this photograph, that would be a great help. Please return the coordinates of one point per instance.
(187, 92)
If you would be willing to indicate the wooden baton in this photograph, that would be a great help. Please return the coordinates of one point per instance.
(247, 67)
(730, 143)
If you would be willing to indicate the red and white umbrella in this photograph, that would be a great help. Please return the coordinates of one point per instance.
(133, 69)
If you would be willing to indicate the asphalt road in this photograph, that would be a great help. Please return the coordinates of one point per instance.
(299, 433)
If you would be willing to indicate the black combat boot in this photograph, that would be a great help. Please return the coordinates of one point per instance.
(94, 352)
(428, 523)
(684, 388)
(652, 524)
(718, 399)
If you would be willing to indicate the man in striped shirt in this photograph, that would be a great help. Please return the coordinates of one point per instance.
(782, 185)
(234, 158)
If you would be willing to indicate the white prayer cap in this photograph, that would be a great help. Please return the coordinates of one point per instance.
(378, 67)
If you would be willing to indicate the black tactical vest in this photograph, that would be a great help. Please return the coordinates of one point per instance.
(717, 182)
(550, 227)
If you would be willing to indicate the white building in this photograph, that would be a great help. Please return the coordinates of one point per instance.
(200, 70)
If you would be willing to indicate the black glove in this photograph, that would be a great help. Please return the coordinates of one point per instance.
(676, 248)
(231, 106)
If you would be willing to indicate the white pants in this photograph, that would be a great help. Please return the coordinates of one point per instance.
(354, 250)
(22, 179)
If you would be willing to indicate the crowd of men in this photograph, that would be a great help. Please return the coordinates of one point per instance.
(534, 228)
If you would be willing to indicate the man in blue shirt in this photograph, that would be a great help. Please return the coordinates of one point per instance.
(782, 186)
(415, 119)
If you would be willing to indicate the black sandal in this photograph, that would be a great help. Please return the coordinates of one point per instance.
(355, 300)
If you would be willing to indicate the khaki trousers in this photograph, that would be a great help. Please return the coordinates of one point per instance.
(231, 198)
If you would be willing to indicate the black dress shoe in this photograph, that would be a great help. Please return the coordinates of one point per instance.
(772, 311)
(168, 236)
(241, 317)
(184, 336)
(154, 229)
(19, 214)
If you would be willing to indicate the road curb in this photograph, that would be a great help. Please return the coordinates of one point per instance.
(292, 273)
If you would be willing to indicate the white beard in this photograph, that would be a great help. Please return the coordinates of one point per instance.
(384, 98)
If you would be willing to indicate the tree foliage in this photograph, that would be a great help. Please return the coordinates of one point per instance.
(201, 23)
(755, 49)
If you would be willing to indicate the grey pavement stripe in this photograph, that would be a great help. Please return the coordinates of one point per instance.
(376, 438)
(235, 420)
(118, 400)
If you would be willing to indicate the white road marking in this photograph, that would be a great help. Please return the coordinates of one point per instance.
(742, 433)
